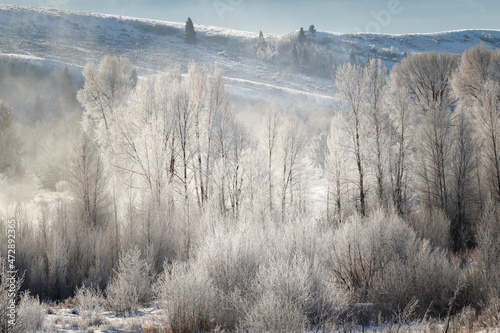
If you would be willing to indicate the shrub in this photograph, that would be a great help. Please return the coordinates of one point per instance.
(89, 305)
(379, 259)
(188, 298)
(30, 314)
(271, 314)
(285, 296)
(362, 246)
(5, 290)
(291, 294)
(131, 285)
(425, 274)
(231, 259)
(431, 224)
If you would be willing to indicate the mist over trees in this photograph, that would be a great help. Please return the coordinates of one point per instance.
(166, 194)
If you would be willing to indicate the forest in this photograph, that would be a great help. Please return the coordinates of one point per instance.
(155, 192)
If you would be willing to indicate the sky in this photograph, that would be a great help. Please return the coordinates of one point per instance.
(281, 16)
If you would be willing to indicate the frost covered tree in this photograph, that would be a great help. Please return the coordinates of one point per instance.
(376, 79)
(351, 89)
(402, 118)
(91, 249)
(271, 124)
(291, 146)
(189, 32)
(106, 88)
(463, 186)
(89, 181)
(427, 76)
(10, 144)
(336, 169)
(476, 84)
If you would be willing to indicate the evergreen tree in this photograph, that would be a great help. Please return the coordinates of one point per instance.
(189, 33)
(261, 46)
(312, 30)
(302, 36)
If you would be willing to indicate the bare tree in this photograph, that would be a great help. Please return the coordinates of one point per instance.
(463, 188)
(336, 168)
(291, 136)
(476, 84)
(271, 134)
(376, 80)
(106, 87)
(89, 183)
(427, 77)
(351, 90)
(402, 119)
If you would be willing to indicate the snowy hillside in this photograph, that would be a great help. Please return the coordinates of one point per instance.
(75, 38)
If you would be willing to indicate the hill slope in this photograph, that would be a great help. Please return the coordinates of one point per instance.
(76, 38)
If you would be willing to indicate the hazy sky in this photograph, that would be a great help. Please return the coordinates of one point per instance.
(388, 16)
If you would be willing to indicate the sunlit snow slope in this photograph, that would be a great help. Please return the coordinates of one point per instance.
(75, 38)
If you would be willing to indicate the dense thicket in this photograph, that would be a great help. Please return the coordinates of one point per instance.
(166, 186)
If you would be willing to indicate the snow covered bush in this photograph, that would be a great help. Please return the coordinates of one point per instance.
(188, 298)
(231, 257)
(30, 314)
(422, 273)
(284, 295)
(362, 246)
(380, 259)
(131, 285)
(89, 305)
(5, 285)
(431, 224)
